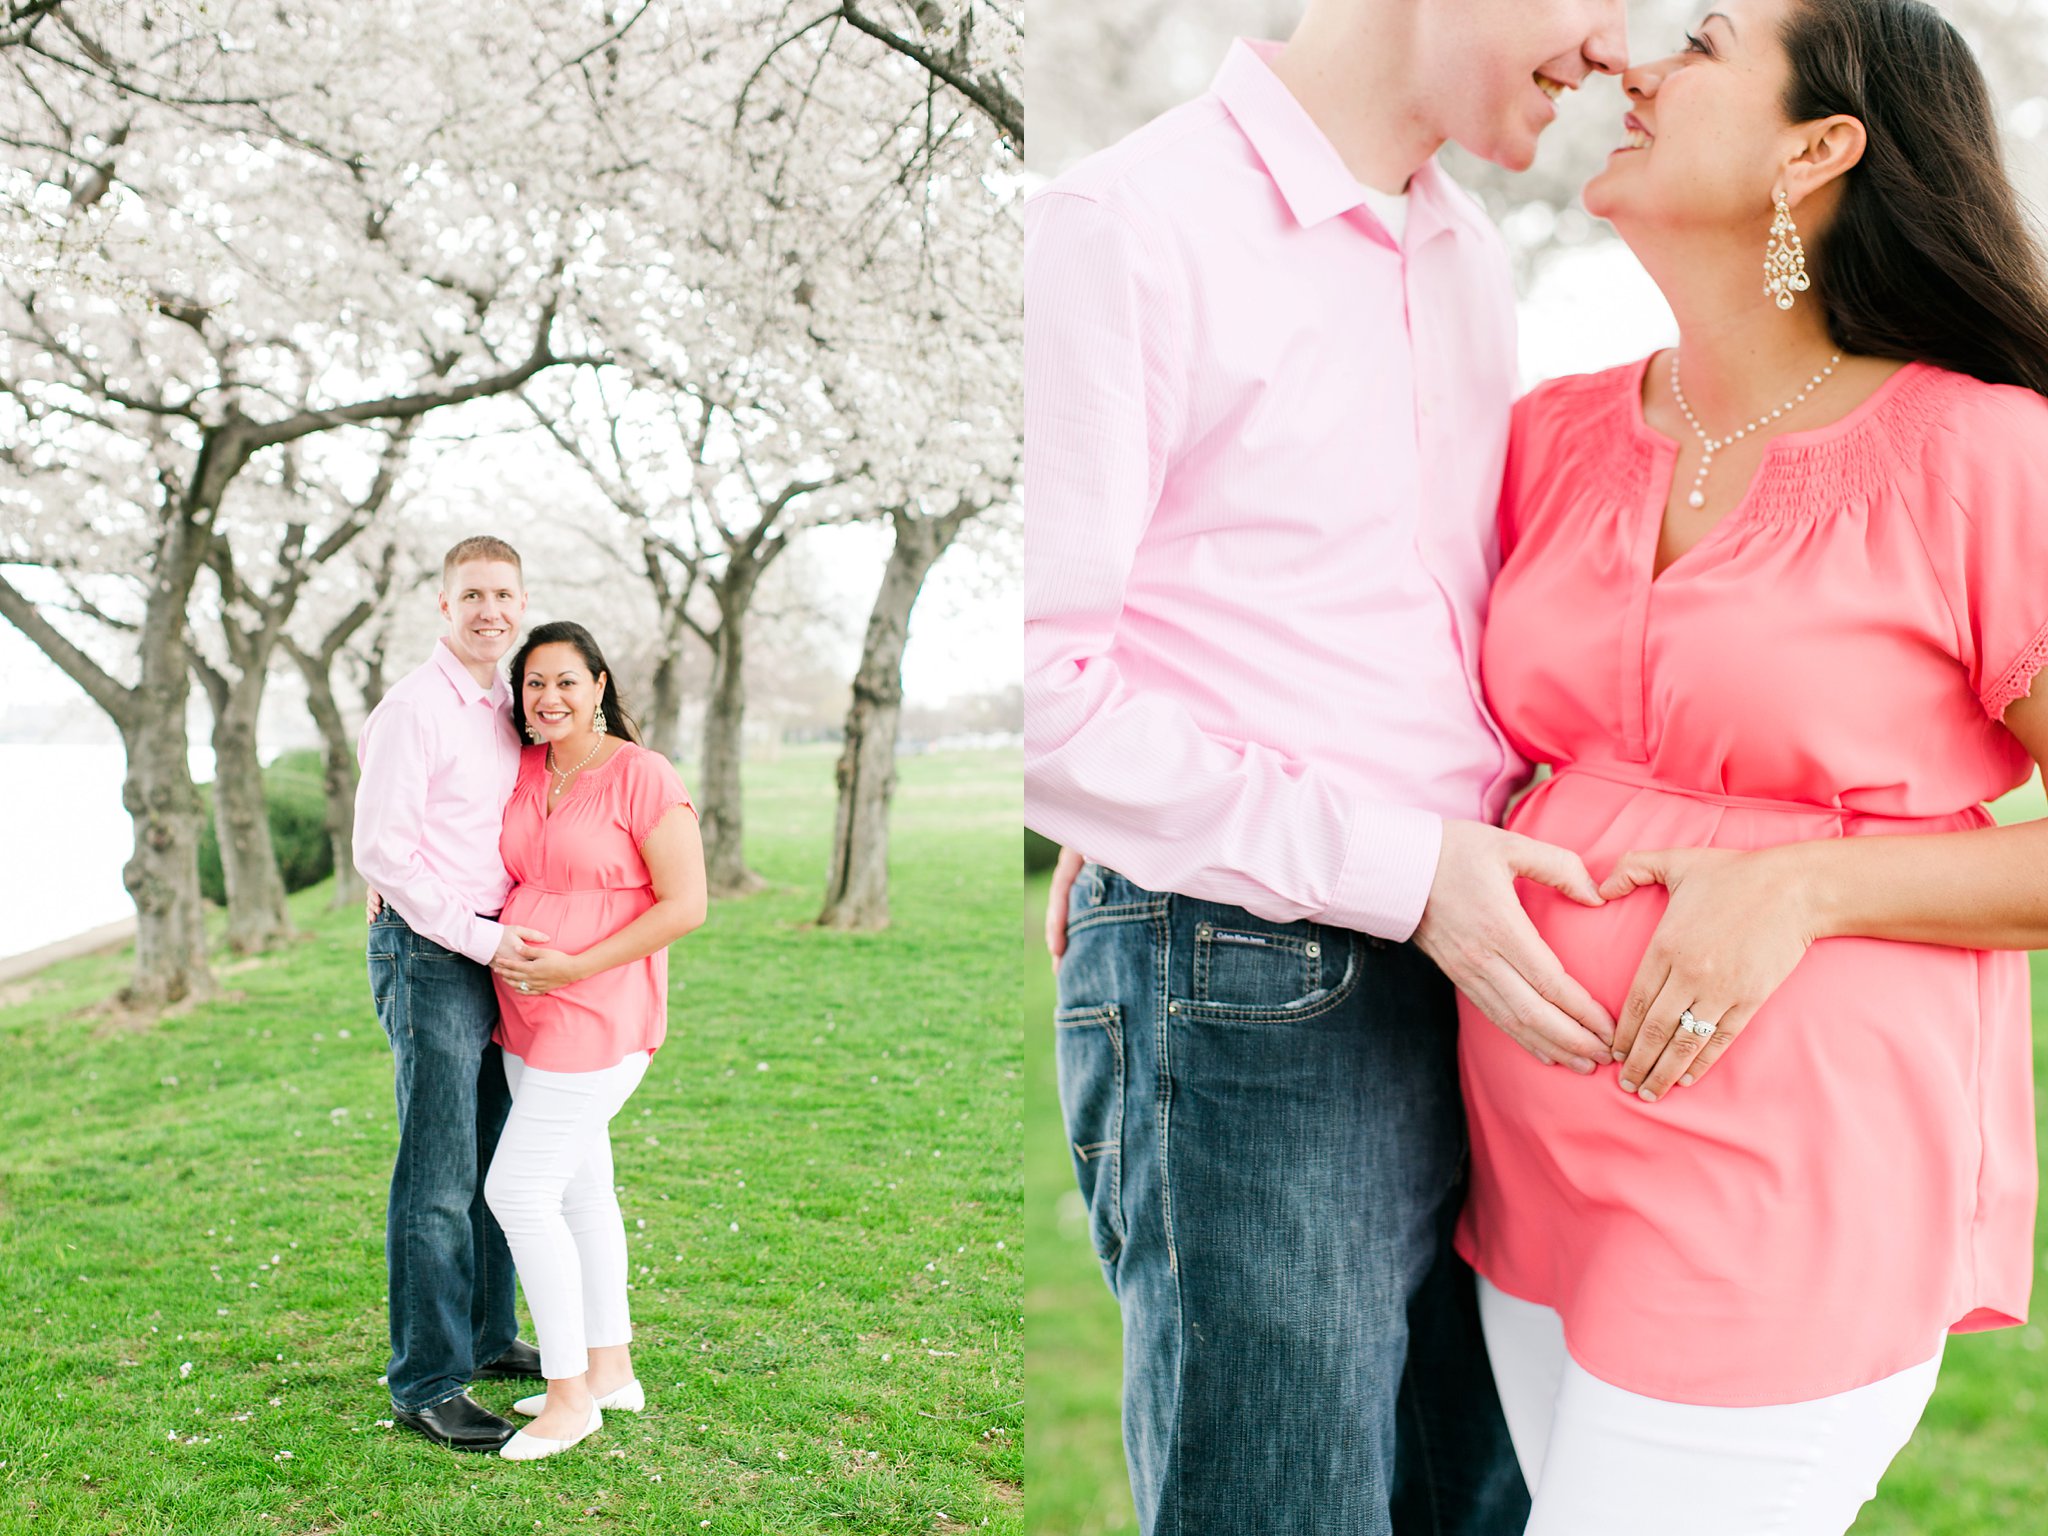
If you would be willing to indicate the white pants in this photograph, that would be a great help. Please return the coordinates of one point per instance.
(1603, 1462)
(550, 1186)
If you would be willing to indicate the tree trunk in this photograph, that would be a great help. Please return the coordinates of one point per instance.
(257, 916)
(371, 676)
(718, 787)
(339, 776)
(162, 874)
(664, 719)
(857, 885)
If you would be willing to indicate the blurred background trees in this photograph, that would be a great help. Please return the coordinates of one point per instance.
(292, 298)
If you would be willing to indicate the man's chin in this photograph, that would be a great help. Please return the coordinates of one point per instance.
(481, 653)
(1515, 152)
(1512, 149)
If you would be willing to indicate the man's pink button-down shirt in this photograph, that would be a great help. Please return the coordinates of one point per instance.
(439, 758)
(1263, 445)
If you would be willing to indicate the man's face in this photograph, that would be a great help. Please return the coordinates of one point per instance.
(483, 603)
(1501, 64)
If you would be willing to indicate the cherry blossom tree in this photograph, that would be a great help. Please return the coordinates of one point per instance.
(317, 661)
(334, 227)
(839, 302)
(255, 606)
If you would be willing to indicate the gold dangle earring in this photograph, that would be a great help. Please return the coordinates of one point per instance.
(1784, 256)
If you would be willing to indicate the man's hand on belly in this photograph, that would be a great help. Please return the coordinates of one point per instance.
(1736, 926)
(1474, 928)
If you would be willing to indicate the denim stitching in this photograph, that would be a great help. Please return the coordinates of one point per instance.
(1127, 912)
(1307, 949)
(437, 1402)
(405, 985)
(1230, 1013)
(1162, 938)
(1108, 1018)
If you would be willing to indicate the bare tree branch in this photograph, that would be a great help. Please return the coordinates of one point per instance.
(995, 100)
(116, 700)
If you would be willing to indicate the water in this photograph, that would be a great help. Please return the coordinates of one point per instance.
(66, 843)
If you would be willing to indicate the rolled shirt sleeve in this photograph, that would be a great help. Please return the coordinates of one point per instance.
(396, 749)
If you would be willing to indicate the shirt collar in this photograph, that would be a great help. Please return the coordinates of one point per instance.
(1304, 164)
(498, 694)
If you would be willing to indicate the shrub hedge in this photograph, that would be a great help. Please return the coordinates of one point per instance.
(297, 801)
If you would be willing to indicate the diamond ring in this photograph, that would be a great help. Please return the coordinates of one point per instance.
(1693, 1026)
(525, 988)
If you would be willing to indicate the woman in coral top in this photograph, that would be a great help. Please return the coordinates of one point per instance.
(1770, 608)
(600, 840)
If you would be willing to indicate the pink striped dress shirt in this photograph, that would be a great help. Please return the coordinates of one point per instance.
(1264, 443)
(439, 758)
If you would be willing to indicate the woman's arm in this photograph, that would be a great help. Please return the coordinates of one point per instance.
(1739, 922)
(1985, 889)
(675, 865)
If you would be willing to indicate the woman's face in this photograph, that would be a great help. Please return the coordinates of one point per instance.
(1705, 140)
(559, 694)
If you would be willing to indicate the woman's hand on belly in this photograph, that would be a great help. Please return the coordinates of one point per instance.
(544, 971)
(1736, 926)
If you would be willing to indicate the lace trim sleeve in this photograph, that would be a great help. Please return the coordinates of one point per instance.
(2014, 682)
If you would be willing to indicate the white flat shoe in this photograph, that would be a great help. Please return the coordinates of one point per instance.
(631, 1397)
(525, 1447)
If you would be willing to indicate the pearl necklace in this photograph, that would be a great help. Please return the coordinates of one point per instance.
(1712, 445)
(562, 779)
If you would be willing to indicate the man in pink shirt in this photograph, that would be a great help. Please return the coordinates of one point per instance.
(439, 757)
(1269, 357)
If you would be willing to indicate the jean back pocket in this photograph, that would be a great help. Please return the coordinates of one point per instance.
(1091, 1066)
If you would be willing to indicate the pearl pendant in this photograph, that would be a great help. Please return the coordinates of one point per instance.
(1696, 499)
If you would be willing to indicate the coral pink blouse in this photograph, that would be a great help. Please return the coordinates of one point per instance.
(578, 877)
(1857, 1175)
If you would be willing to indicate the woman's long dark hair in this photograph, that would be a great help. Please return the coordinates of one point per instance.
(1929, 257)
(564, 632)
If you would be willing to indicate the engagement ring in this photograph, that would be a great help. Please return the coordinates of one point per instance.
(1693, 1026)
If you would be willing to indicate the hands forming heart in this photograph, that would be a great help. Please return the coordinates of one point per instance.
(1737, 925)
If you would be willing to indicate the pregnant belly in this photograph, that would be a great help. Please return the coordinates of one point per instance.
(574, 920)
(1876, 1041)
(1854, 1174)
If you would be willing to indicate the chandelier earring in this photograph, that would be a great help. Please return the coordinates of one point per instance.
(1784, 255)
(597, 720)
(533, 733)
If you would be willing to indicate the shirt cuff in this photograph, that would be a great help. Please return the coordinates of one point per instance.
(484, 936)
(1389, 867)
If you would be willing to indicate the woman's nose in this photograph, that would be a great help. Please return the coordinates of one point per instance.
(1640, 82)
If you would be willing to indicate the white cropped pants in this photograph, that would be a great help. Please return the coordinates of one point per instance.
(550, 1186)
(1603, 1462)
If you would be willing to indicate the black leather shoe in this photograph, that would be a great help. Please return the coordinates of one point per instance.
(459, 1424)
(519, 1363)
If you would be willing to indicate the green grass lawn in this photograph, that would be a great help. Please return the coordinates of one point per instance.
(1977, 1467)
(820, 1185)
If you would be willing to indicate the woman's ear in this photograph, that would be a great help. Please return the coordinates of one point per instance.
(1832, 145)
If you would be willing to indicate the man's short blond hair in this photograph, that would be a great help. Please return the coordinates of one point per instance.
(482, 546)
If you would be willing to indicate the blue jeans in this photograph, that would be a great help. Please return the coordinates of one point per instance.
(450, 1270)
(1265, 1125)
